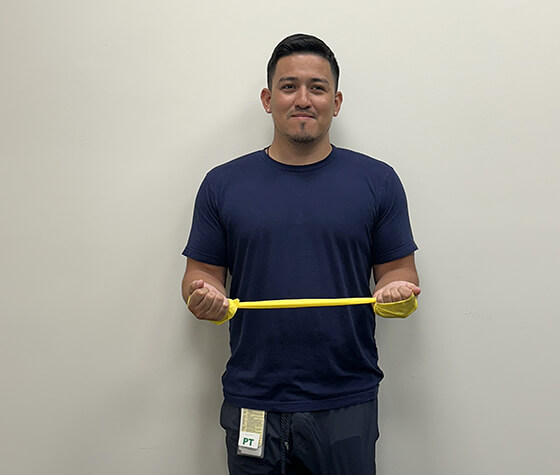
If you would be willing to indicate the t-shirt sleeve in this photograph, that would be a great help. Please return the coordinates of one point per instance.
(207, 239)
(393, 234)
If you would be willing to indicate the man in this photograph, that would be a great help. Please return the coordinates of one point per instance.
(300, 219)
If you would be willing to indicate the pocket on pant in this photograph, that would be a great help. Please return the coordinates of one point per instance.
(230, 417)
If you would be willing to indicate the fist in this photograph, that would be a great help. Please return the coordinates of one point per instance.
(396, 291)
(205, 302)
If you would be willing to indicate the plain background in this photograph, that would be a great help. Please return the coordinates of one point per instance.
(111, 114)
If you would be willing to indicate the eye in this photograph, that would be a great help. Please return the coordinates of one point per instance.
(319, 87)
(287, 87)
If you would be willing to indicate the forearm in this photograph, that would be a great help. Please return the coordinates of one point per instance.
(209, 274)
(204, 290)
(396, 280)
(209, 278)
(397, 275)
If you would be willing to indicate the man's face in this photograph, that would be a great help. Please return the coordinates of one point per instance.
(303, 99)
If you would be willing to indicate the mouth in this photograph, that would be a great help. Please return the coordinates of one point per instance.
(302, 116)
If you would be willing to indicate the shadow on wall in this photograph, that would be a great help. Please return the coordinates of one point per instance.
(210, 344)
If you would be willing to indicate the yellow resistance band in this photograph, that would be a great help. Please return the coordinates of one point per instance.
(400, 309)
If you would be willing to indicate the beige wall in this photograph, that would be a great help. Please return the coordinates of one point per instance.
(110, 114)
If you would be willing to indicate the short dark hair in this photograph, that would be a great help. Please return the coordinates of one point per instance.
(303, 44)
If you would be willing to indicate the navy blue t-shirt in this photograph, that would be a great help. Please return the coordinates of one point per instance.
(311, 231)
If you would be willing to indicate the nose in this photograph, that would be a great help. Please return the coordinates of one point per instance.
(303, 99)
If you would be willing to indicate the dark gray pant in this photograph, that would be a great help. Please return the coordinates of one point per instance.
(335, 442)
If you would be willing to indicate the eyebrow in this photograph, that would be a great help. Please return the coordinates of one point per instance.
(293, 78)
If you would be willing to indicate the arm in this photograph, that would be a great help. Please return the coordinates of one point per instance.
(205, 285)
(396, 280)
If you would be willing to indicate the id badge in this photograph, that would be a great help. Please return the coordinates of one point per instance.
(251, 433)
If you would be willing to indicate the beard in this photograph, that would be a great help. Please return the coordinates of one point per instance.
(303, 137)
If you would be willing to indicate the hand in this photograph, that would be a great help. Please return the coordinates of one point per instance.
(206, 302)
(396, 291)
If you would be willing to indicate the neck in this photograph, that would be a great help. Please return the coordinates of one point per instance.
(299, 154)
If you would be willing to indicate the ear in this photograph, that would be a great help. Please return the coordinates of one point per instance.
(265, 99)
(337, 103)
